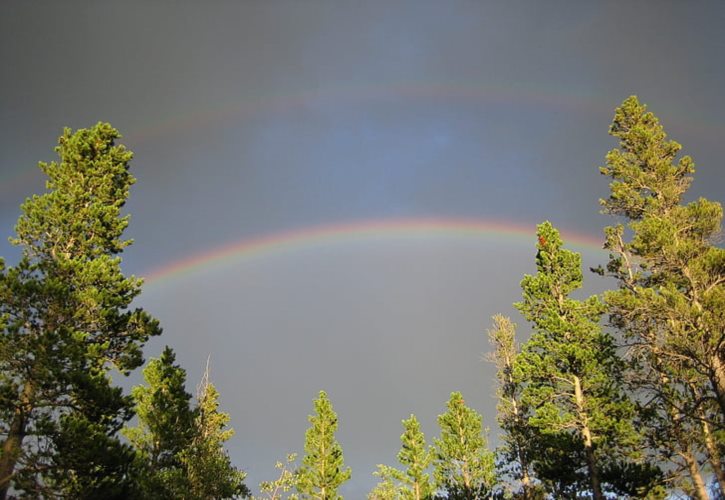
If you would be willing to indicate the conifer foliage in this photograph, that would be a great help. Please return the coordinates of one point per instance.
(413, 483)
(517, 453)
(165, 427)
(66, 321)
(209, 470)
(323, 470)
(464, 466)
(572, 377)
(670, 304)
(180, 448)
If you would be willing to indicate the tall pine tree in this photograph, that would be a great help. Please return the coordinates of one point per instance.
(67, 321)
(180, 449)
(323, 470)
(413, 483)
(572, 377)
(516, 454)
(464, 466)
(670, 303)
(165, 427)
(207, 465)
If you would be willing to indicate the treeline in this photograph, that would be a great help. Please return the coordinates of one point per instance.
(620, 395)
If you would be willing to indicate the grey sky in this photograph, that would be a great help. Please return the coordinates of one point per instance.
(250, 117)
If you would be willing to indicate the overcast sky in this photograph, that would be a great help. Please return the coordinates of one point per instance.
(254, 118)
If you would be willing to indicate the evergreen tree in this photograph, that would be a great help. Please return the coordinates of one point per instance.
(414, 482)
(517, 452)
(179, 449)
(323, 469)
(65, 323)
(165, 428)
(670, 303)
(464, 467)
(385, 490)
(572, 378)
(87, 462)
(209, 470)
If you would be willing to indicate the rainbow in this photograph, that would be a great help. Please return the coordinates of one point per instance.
(569, 100)
(317, 236)
(364, 94)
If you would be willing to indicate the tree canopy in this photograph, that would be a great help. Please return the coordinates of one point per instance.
(67, 322)
(670, 303)
(463, 464)
(323, 470)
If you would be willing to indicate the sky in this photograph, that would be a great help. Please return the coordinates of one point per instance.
(339, 195)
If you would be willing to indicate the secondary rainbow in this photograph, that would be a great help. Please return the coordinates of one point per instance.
(570, 100)
(576, 100)
(262, 104)
(306, 237)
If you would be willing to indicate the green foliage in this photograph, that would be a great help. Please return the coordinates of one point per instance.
(180, 449)
(65, 317)
(670, 305)
(517, 453)
(385, 489)
(165, 427)
(414, 482)
(90, 464)
(209, 470)
(285, 483)
(571, 374)
(464, 466)
(323, 469)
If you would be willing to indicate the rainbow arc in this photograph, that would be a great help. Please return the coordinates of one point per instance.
(323, 235)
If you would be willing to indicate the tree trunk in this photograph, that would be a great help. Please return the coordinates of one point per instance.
(718, 381)
(592, 465)
(11, 451)
(588, 442)
(523, 459)
(525, 480)
(714, 457)
(700, 491)
(14, 442)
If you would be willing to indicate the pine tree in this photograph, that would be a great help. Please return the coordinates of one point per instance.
(671, 299)
(516, 454)
(66, 322)
(209, 470)
(88, 461)
(323, 470)
(572, 378)
(464, 466)
(385, 490)
(179, 449)
(414, 482)
(165, 427)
